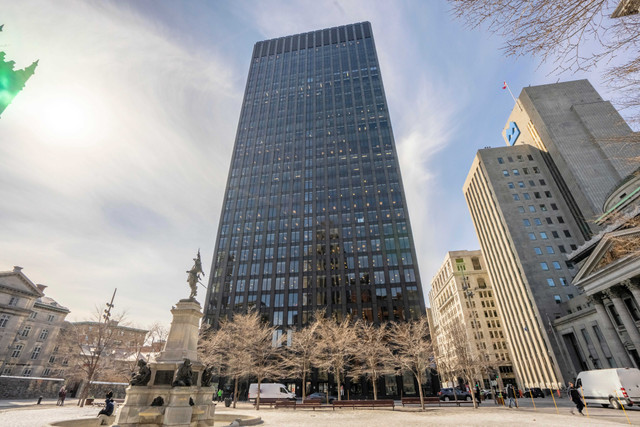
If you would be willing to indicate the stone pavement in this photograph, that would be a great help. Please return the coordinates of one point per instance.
(26, 414)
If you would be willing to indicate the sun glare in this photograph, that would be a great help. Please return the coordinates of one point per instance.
(67, 119)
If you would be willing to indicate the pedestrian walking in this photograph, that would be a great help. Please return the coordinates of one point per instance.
(477, 393)
(511, 394)
(62, 394)
(576, 398)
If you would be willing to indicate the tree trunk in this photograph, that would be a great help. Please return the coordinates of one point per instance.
(235, 392)
(374, 381)
(85, 390)
(304, 384)
(473, 396)
(419, 378)
(338, 393)
(258, 396)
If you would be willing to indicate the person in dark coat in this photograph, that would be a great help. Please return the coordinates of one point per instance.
(62, 394)
(108, 405)
(575, 397)
(511, 394)
(477, 393)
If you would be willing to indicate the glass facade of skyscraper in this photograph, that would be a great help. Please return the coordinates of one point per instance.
(314, 213)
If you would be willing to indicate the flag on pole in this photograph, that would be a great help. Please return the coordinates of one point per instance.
(504, 85)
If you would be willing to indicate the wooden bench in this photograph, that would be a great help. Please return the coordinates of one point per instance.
(428, 400)
(285, 404)
(363, 404)
(313, 404)
(269, 401)
(455, 402)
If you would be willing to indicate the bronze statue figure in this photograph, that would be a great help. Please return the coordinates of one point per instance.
(184, 376)
(194, 275)
(207, 376)
(143, 375)
(158, 401)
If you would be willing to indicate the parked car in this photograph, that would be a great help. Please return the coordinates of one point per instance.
(447, 394)
(610, 386)
(321, 396)
(536, 392)
(486, 393)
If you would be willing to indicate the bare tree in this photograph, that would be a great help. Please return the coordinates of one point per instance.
(373, 357)
(213, 347)
(413, 349)
(93, 344)
(232, 345)
(463, 361)
(336, 347)
(263, 347)
(156, 338)
(304, 349)
(575, 35)
(243, 347)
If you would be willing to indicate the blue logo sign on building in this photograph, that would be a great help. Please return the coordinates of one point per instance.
(512, 133)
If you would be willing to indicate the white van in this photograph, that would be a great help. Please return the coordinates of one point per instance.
(606, 386)
(270, 391)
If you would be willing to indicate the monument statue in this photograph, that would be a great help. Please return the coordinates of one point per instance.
(194, 275)
(143, 375)
(207, 376)
(184, 376)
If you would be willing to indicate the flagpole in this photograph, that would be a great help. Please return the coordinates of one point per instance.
(510, 93)
(506, 86)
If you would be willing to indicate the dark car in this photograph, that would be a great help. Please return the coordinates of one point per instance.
(536, 392)
(447, 394)
(322, 397)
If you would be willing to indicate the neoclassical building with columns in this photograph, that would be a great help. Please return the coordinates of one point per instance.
(602, 329)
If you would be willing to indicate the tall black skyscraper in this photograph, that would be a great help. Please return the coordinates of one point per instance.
(314, 213)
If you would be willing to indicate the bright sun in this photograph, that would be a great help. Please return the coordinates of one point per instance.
(67, 119)
(73, 117)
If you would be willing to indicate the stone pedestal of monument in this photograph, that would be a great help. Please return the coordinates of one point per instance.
(182, 406)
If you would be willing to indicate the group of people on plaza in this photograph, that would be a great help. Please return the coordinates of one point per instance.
(572, 392)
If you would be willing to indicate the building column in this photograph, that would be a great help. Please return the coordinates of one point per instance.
(634, 288)
(615, 295)
(618, 352)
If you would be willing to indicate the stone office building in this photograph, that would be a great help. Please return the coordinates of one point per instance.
(571, 143)
(462, 297)
(601, 330)
(29, 327)
(525, 229)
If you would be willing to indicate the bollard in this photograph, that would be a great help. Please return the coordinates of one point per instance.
(39, 400)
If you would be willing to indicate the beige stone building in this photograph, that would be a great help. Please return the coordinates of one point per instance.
(29, 327)
(602, 329)
(535, 201)
(461, 295)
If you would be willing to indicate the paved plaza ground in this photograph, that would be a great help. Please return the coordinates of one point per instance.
(25, 414)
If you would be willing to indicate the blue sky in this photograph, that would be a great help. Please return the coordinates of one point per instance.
(113, 159)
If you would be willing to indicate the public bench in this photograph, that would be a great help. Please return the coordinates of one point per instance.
(455, 402)
(428, 400)
(363, 404)
(284, 404)
(313, 404)
(433, 400)
(270, 401)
